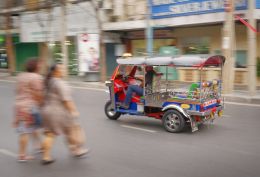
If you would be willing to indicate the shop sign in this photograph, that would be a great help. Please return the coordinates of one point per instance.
(175, 8)
(43, 26)
(3, 60)
(111, 37)
(159, 34)
(15, 39)
(88, 50)
(2, 39)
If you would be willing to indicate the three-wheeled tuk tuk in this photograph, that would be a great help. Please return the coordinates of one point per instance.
(176, 101)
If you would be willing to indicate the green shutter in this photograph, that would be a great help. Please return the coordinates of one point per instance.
(24, 51)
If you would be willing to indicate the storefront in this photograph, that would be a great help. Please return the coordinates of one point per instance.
(195, 27)
(3, 54)
(137, 43)
(45, 27)
(22, 51)
(55, 54)
(199, 28)
(199, 39)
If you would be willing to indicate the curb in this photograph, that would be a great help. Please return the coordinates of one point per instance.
(72, 83)
(232, 98)
(242, 99)
(88, 85)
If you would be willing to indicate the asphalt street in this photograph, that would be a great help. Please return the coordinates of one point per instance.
(139, 146)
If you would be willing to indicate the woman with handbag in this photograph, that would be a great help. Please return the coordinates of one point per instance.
(60, 115)
(28, 99)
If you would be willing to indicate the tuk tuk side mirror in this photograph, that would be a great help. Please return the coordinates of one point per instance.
(108, 83)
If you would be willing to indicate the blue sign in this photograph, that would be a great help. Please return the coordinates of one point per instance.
(175, 8)
(257, 3)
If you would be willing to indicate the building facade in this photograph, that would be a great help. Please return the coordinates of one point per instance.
(38, 28)
(193, 27)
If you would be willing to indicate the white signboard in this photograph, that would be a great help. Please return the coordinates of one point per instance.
(40, 27)
(44, 26)
(88, 46)
(226, 43)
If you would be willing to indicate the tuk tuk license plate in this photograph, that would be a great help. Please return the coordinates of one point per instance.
(208, 103)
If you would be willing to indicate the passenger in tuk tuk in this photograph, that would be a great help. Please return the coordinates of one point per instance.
(138, 89)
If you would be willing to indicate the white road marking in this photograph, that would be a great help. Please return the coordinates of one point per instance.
(243, 104)
(8, 153)
(226, 116)
(88, 88)
(137, 128)
(10, 81)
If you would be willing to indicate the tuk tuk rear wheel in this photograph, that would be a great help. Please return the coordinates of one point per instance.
(110, 112)
(173, 121)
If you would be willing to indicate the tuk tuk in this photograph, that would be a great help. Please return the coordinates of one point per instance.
(177, 102)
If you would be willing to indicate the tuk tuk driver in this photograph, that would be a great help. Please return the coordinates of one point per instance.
(149, 74)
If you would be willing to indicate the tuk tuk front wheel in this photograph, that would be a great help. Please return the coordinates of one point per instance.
(173, 121)
(110, 112)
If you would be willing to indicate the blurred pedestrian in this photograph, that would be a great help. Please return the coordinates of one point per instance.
(60, 115)
(29, 89)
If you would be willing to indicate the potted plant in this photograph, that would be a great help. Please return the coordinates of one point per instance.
(258, 70)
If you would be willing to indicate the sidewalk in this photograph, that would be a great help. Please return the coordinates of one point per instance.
(238, 96)
(73, 81)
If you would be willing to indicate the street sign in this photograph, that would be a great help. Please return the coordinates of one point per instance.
(176, 8)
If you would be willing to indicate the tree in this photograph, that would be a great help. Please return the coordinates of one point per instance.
(96, 4)
(9, 40)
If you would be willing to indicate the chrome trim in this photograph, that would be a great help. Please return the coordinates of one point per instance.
(178, 108)
(194, 126)
(206, 113)
(112, 95)
(188, 114)
(196, 113)
(108, 83)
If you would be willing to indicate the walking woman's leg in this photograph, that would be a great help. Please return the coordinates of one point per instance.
(72, 139)
(76, 138)
(36, 137)
(47, 145)
(23, 142)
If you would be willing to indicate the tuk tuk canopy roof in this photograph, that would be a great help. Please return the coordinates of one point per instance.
(180, 61)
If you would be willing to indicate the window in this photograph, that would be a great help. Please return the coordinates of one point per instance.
(241, 58)
(196, 45)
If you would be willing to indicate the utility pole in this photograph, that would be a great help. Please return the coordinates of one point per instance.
(103, 66)
(9, 40)
(228, 46)
(63, 36)
(149, 31)
(251, 57)
(45, 53)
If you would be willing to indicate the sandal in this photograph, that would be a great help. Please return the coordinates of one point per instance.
(81, 153)
(47, 162)
(24, 158)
